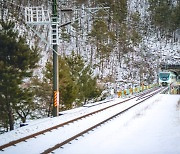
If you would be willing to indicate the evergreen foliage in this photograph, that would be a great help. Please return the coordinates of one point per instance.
(17, 62)
(76, 81)
(165, 15)
(82, 76)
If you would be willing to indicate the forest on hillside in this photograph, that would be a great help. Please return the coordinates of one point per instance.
(100, 41)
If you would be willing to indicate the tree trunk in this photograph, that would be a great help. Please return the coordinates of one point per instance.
(10, 118)
(9, 111)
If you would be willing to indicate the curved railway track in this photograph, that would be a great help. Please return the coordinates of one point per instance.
(139, 98)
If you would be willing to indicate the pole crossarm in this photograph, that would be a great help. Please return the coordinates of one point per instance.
(37, 16)
(94, 8)
(90, 13)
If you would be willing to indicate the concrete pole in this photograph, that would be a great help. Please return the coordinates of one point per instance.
(55, 60)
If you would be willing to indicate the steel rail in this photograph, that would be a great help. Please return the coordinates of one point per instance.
(95, 126)
(23, 139)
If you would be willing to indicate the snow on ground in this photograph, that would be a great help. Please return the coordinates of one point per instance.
(150, 128)
(41, 124)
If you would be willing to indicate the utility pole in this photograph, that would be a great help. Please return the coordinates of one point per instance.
(36, 16)
(55, 38)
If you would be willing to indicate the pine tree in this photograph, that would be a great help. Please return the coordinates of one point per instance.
(67, 85)
(165, 16)
(83, 77)
(76, 83)
(17, 62)
(88, 85)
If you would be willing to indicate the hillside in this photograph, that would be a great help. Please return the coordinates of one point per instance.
(103, 45)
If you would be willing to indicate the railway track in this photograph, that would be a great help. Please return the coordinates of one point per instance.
(137, 99)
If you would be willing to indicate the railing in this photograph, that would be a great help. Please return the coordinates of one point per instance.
(131, 91)
(174, 88)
